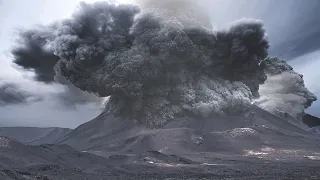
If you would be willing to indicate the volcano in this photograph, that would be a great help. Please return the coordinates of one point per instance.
(185, 100)
(255, 144)
(239, 133)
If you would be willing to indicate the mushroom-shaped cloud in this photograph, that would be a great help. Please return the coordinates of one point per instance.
(159, 63)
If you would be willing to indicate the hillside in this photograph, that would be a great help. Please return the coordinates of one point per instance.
(259, 128)
(253, 145)
(34, 135)
(19, 161)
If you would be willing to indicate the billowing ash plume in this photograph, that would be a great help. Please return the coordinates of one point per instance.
(160, 63)
(284, 91)
(11, 94)
(34, 53)
(188, 11)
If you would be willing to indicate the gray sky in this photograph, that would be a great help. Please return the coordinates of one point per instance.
(289, 23)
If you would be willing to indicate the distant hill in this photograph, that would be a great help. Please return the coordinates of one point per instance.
(33, 135)
(311, 121)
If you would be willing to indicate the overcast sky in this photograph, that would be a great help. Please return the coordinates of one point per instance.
(292, 26)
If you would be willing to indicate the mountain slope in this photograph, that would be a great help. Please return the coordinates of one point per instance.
(255, 130)
(33, 135)
(253, 145)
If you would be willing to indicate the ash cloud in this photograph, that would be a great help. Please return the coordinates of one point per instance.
(156, 63)
(284, 93)
(33, 53)
(11, 94)
(187, 10)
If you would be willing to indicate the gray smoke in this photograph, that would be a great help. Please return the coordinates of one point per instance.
(284, 91)
(34, 53)
(73, 96)
(188, 9)
(160, 63)
(12, 94)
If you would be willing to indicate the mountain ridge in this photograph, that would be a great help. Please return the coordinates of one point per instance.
(35, 135)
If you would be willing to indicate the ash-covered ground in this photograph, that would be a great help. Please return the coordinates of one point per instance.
(185, 100)
(253, 145)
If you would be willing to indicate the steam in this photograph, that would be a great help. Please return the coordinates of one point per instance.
(159, 62)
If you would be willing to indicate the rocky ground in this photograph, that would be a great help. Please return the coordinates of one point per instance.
(157, 166)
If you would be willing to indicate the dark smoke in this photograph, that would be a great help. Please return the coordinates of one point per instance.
(11, 94)
(34, 53)
(160, 63)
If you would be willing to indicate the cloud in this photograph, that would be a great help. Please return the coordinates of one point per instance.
(164, 61)
(307, 65)
(32, 54)
(46, 113)
(156, 68)
(284, 92)
(13, 94)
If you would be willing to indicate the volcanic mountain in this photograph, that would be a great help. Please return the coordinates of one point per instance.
(186, 100)
(246, 143)
(237, 134)
(251, 145)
